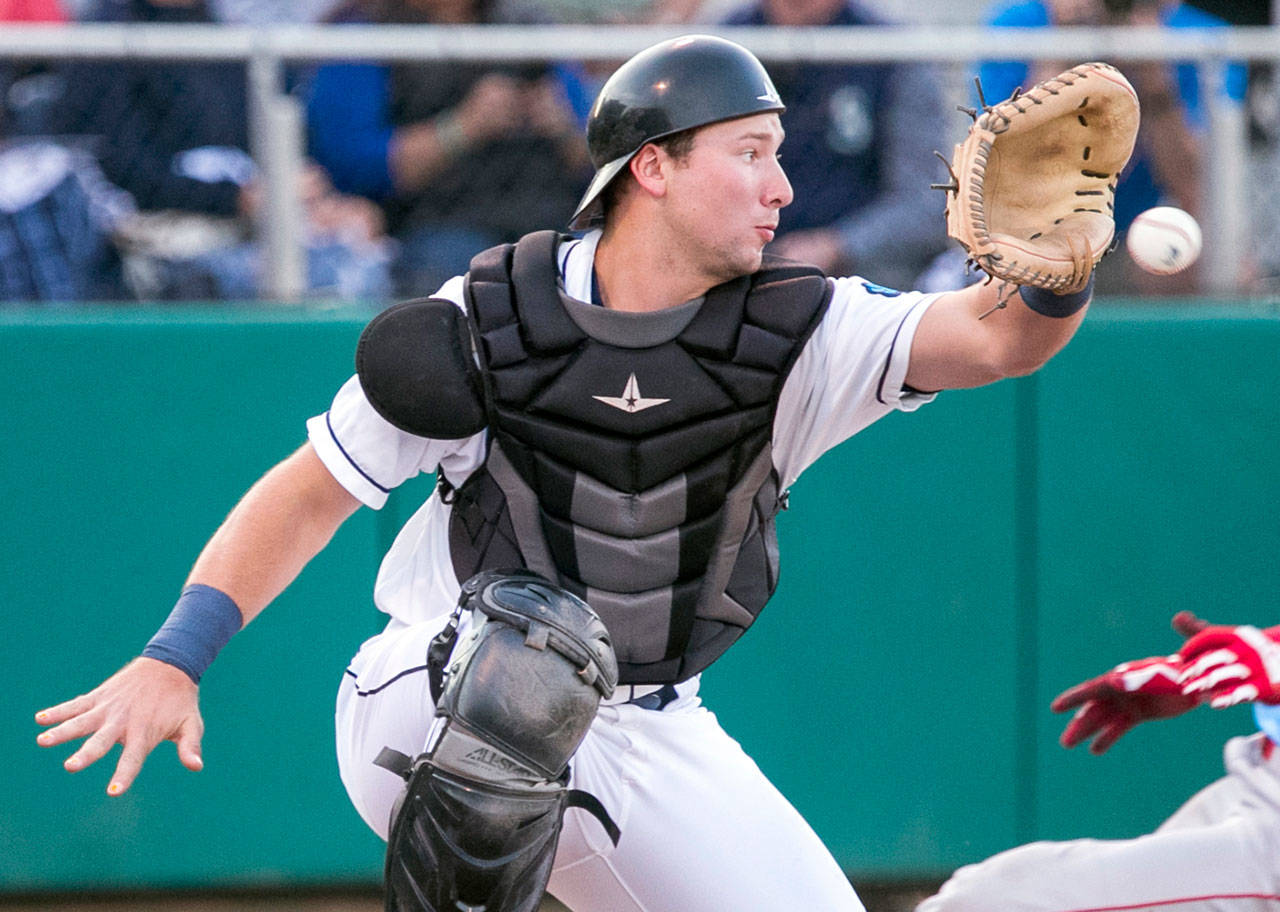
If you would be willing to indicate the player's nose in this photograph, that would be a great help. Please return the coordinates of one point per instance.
(778, 192)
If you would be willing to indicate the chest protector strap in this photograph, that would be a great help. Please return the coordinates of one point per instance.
(634, 468)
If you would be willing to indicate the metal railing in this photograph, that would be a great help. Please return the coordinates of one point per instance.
(276, 121)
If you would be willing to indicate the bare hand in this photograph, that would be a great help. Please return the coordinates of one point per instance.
(139, 706)
(494, 107)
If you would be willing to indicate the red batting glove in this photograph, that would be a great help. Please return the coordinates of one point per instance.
(1111, 704)
(1230, 665)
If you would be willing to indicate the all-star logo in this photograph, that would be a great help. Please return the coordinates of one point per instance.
(630, 400)
(487, 757)
(770, 94)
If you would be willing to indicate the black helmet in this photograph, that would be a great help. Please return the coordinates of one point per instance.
(676, 85)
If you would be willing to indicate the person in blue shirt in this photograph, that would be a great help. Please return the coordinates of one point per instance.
(1167, 165)
(459, 155)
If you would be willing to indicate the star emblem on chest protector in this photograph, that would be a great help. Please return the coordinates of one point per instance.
(630, 400)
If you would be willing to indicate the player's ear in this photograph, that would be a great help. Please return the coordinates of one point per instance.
(649, 167)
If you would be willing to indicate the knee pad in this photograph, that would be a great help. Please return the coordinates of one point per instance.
(477, 826)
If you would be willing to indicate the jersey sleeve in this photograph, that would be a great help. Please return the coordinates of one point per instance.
(370, 457)
(851, 373)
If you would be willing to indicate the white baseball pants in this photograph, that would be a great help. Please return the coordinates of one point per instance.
(703, 830)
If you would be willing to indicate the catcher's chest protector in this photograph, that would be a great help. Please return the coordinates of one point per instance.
(639, 478)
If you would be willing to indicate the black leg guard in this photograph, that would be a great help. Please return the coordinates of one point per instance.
(477, 826)
(461, 846)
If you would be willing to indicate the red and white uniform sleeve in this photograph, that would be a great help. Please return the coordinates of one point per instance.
(850, 373)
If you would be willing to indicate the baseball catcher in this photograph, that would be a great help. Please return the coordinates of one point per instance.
(614, 421)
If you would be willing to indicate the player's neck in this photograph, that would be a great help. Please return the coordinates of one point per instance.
(638, 271)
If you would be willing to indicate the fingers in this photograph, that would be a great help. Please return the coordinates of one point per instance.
(1111, 733)
(1242, 694)
(64, 711)
(93, 750)
(143, 704)
(1187, 624)
(1099, 721)
(1078, 695)
(1219, 676)
(131, 760)
(76, 727)
(1207, 640)
(1081, 262)
(1212, 669)
(188, 742)
(1091, 717)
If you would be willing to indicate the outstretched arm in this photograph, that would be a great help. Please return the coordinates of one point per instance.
(967, 339)
(280, 524)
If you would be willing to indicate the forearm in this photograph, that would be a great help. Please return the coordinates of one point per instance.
(1031, 327)
(968, 339)
(273, 532)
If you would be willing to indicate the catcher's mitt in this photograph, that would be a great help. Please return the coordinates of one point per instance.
(1033, 184)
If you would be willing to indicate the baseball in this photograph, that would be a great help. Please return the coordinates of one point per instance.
(1163, 240)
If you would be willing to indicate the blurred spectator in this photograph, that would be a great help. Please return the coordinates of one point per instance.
(461, 156)
(32, 11)
(1167, 165)
(55, 208)
(618, 12)
(859, 153)
(174, 136)
(1264, 178)
(270, 12)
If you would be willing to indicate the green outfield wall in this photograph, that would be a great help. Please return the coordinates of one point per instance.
(944, 575)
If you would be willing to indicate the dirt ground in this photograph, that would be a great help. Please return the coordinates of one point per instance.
(876, 897)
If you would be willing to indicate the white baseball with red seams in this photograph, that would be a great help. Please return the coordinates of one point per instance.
(1164, 240)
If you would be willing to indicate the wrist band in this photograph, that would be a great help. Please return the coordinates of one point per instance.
(1048, 304)
(199, 625)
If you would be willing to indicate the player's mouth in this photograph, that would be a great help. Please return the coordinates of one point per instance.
(766, 232)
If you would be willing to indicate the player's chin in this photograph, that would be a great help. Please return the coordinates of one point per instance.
(731, 261)
(749, 259)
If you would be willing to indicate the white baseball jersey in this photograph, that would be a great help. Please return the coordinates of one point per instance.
(702, 829)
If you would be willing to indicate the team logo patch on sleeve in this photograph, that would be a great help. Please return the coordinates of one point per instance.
(875, 289)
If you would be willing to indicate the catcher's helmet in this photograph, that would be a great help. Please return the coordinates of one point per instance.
(676, 85)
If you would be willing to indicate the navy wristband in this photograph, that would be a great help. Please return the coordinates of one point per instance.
(1045, 302)
(199, 625)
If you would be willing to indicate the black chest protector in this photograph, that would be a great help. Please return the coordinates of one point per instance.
(638, 475)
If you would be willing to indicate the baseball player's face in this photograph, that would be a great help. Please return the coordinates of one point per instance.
(725, 196)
